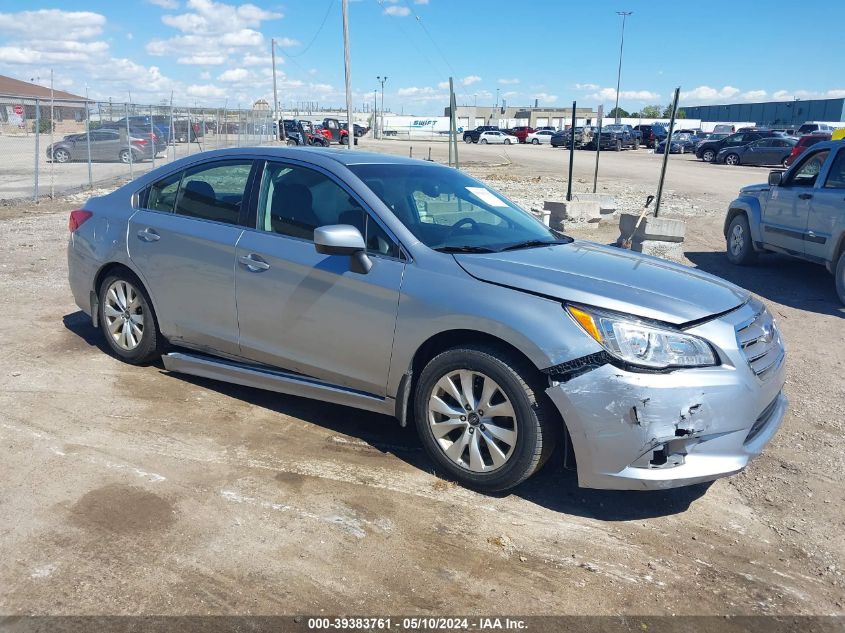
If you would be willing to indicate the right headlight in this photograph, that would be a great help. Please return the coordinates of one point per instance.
(633, 341)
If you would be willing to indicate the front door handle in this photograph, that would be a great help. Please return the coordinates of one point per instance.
(805, 196)
(148, 235)
(253, 263)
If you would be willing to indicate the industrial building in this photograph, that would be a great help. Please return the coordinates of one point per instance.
(773, 113)
(470, 117)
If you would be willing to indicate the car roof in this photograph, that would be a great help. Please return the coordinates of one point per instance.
(338, 155)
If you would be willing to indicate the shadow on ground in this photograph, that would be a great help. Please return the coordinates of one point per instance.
(791, 282)
(553, 487)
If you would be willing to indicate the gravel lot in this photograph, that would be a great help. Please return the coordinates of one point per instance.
(129, 490)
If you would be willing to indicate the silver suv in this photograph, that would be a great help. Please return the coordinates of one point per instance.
(409, 288)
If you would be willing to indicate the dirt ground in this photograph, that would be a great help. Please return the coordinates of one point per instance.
(129, 490)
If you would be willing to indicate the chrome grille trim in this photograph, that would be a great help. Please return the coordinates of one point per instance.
(760, 342)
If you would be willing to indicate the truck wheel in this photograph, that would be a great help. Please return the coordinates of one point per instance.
(636, 144)
(482, 417)
(618, 147)
(740, 250)
(840, 277)
(467, 139)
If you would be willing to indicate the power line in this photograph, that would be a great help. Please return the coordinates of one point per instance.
(419, 50)
(424, 28)
(319, 30)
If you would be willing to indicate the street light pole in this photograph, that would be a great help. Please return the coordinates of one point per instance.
(375, 112)
(276, 113)
(624, 15)
(381, 80)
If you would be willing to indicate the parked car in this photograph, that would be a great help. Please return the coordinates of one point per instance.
(550, 128)
(616, 137)
(815, 128)
(540, 137)
(562, 138)
(498, 337)
(520, 132)
(681, 143)
(774, 150)
(335, 132)
(651, 134)
(158, 142)
(496, 136)
(106, 145)
(472, 136)
(799, 212)
(160, 124)
(708, 150)
(803, 143)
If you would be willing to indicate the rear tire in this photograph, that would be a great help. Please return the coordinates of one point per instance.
(125, 156)
(61, 156)
(534, 141)
(483, 141)
(732, 160)
(708, 156)
(618, 147)
(512, 445)
(739, 248)
(507, 141)
(840, 277)
(127, 319)
(467, 139)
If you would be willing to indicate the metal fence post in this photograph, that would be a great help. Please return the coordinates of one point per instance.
(153, 136)
(37, 150)
(128, 140)
(88, 140)
(571, 155)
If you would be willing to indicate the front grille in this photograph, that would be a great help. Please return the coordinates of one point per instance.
(761, 344)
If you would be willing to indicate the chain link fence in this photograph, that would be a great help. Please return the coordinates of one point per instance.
(50, 147)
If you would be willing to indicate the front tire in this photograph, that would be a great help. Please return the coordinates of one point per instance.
(732, 160)
(125, 156)
(482, 419)
(127, 320)
(534, 141)
(61, 156)
(507, 141)
(483, 141)
(739, 248)
(467, 139)
(708, 156)
(618, 147)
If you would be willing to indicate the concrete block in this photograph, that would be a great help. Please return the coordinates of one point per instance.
(557, 213)
(575, 210)
(673, 251)
(651, 228)
(607, 204)
(543, 215)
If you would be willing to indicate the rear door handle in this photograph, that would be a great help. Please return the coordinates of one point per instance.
(253, 263)
(148, 235)
(805, 196)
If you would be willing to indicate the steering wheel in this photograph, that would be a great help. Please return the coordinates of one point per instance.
(461, 222)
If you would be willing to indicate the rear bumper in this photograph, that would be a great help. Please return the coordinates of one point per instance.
(641, 431)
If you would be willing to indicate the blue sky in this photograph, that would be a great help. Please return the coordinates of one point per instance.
(213, 52)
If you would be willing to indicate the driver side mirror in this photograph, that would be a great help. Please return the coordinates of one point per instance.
(344, 239)
(775, 178)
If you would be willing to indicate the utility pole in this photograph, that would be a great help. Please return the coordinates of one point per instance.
(624, 15)
(375, 112)
(278, 116)
(381, 80)
(350, 126)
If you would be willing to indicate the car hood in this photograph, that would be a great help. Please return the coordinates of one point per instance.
(610, 278)
(755, 189)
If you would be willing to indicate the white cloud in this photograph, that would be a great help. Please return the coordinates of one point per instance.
(706, 93)
(509, 93)
(470, 79)
(397, 11)
(165, 4)
(251, 59)
(286, 42)
(544, 98)
(443, 85)
(609, 94)
(233, 74)
(52, 24)
(754, 95)
(508, 82)
(205, 75)
(587, 86)
(206, 91)
(420, 1)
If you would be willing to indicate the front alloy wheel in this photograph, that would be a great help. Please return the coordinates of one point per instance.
(483, 417)
(472, 420)
(708, 156)
(124, 315)
(732, 160)
(740, 249)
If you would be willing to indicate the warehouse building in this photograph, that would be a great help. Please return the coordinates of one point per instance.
(774, 113)
(470, 117)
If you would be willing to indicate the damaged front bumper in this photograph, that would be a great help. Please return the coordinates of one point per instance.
(633, 430)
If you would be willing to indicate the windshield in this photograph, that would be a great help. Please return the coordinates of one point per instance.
(446, 209)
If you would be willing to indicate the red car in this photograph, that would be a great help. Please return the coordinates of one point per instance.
(803, 143)
(521, 132)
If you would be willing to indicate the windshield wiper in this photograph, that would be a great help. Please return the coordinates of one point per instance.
(533, 244)
(464, 249)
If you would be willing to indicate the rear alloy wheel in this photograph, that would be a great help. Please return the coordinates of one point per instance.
(840, 277)
(535, 141)
(507, 141)
(740, 250)
(732, 160)
(127, 320)
(467, 139)
(708, 156)
(484, 141)
(479, 415)
(125, 156)
(61, 156)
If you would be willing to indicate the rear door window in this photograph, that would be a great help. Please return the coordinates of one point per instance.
(214, 191)
(836, 176)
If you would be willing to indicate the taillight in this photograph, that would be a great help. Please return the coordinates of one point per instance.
(140, 141)
(77, 218)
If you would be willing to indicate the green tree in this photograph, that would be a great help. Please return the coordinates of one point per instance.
(667, 112)
(635, 115)
(650, 112)
(617, 112)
